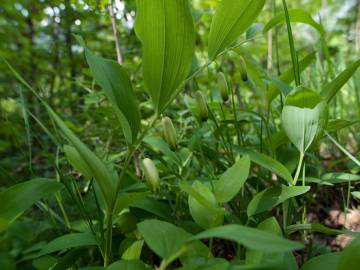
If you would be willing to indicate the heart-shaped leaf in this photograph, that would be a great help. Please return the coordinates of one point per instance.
(304, 117)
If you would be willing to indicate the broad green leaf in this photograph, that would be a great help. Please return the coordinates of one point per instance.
(133, 250)
(273, 196)
(329, 90)
(203, 216)
(156, 207)
(251, 238)
(166, 31)
(288, 76)
(159, 145)
(350, 259)
(117, 87)
(269, 164)
(68, 241)
(166, 240)
(282, 261)
(327, 261)
(76, 161)
(232, 180)
(128, 265)
(18, 198)
(200, 198)
(98, 169)
(304, 117)
(232, 18)
(295, 15)
(205, 264)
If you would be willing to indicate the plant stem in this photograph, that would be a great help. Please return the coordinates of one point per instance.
(301, 158)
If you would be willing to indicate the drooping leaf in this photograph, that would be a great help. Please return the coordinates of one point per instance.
(329, 90)
(115, 82)
(203, 216)
(68, 241)
(165, 239)
(273, 196)
(97, 167)
(232, 18)
(269, 164)
(304, 117)
(232, 180)
(254, 239)
(18, 198)
(326, 261)
(288, 76)
(166, 31)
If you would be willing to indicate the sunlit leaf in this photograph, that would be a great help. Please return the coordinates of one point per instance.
(232, 18)
(166, 31)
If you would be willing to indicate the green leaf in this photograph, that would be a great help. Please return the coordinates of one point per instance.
(76, 161)
(116, 84)
(68, 241)
(254, 239)
(203, 216)
(232, 18)
(269, 164)
(18, 198)
(350, 259)
(295, 15)
(288, 76)
(273, 196)
(329, 90)
(166, 31)
(151, 205)
(232, 180)
(282, 261)
(327, 261)
(304, 117)
(166, 240)
(338, 178)
(128, 265)
(337, 124)
(356, 194)
(105, 178)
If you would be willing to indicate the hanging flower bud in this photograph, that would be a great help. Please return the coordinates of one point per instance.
(169, 132)
(201, 106)
(243, 72)
(151, 174)
(223, 86)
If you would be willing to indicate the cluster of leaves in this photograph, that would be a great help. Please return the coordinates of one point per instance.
(222, 173)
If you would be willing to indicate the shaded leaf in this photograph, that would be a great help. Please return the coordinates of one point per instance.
(251, 238)
(18, 198)
(232, 180)
(273, 196)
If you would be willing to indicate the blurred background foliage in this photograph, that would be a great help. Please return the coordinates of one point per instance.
(36, 37)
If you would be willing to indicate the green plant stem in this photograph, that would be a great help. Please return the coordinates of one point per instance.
(296, 177)
(165, 263)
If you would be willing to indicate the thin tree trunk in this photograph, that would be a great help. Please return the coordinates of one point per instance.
(115, 32)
